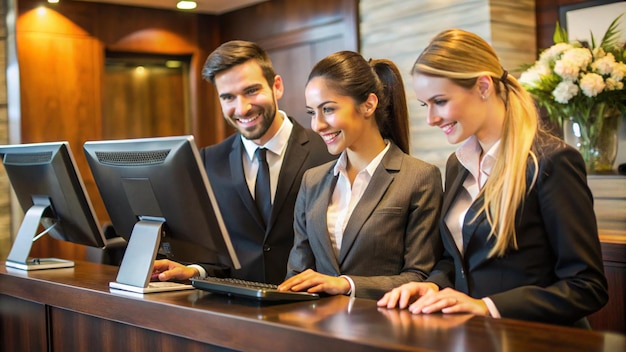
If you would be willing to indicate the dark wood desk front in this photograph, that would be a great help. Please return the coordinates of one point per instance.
(73, 310)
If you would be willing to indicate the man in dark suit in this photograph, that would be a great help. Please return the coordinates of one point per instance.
(249, 90)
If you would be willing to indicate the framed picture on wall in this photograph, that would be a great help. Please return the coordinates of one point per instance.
(591, 17)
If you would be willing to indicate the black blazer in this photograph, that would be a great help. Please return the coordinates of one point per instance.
(263, 253)
(556, 274)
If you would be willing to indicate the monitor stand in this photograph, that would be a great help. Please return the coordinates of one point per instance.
(19, 256)
(136, 268)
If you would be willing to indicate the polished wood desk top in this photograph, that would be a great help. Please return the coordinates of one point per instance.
(328, 324)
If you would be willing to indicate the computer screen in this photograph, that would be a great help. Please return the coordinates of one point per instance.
(52, 195)
(159, 199)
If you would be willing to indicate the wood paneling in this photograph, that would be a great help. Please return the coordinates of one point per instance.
(61, 51)
(547, 16)
(159, 101)
(61, 62)
(52, 111)
(23, 325)
(7, 57)
(81, 332)
(295, 75)
(296, 35)
(612, 317)
(277, 17)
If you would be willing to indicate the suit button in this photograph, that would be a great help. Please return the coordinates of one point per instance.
(266, 248)
(462, 273)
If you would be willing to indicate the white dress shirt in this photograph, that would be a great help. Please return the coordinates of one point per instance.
(468, 155)
(345, 198)
(276, 148)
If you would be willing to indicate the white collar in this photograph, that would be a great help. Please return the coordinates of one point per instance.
(276, 144)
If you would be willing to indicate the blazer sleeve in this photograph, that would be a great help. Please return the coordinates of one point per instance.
(566, 206)
(301, 256)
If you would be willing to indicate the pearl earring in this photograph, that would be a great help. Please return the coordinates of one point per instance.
(484, 97)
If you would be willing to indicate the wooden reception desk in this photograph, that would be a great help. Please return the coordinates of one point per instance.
(73, 310)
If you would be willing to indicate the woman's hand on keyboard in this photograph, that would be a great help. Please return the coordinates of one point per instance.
(165, 270)
(314, 282)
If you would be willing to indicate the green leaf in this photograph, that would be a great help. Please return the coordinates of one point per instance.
(611, 36)
(560, 34)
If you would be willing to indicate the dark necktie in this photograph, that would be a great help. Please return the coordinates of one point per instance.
(262, 193)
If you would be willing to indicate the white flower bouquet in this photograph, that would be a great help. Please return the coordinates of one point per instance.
(583, 84)
(571, 79)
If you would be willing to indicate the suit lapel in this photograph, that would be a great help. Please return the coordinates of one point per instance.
(452, 189)
(382, 178)
(471, 224)
(236, 172)
(295, 157)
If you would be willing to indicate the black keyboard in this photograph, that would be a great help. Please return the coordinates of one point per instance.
(249, 289)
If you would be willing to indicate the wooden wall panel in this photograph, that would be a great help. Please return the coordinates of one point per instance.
(277, 17)
(61, 52)
(7, 58)
(68, 111)
(23, 325)
(547, 15)
(61, 61)
(296, 35)
(80, 332)
(159, 107)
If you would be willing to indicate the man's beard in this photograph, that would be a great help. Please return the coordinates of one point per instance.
(258, 130)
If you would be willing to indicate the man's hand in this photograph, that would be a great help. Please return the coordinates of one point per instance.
(166, 270)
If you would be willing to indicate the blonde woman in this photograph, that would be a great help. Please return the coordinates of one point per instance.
(518, 225)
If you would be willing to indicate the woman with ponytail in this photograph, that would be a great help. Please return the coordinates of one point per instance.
(367, 222)
(518, 224)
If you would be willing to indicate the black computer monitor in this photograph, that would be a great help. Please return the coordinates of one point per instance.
(51, 192)
(159, 198)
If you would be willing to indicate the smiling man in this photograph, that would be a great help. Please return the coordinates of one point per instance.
(249, 90)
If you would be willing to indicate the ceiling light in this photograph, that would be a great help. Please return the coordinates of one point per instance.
(186, 5)
(53, 1)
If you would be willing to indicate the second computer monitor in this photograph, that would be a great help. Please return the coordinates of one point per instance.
(157, 187)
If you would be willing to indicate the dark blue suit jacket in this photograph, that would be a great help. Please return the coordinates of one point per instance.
(263, 253)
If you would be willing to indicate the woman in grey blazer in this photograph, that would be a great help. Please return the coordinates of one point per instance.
(368, 221)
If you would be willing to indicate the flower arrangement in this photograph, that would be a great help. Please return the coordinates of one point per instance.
(582, 83)
(575, 76)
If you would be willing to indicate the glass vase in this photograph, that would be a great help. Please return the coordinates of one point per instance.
(595, 136)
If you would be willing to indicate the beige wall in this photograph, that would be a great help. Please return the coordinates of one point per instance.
(400, 29)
